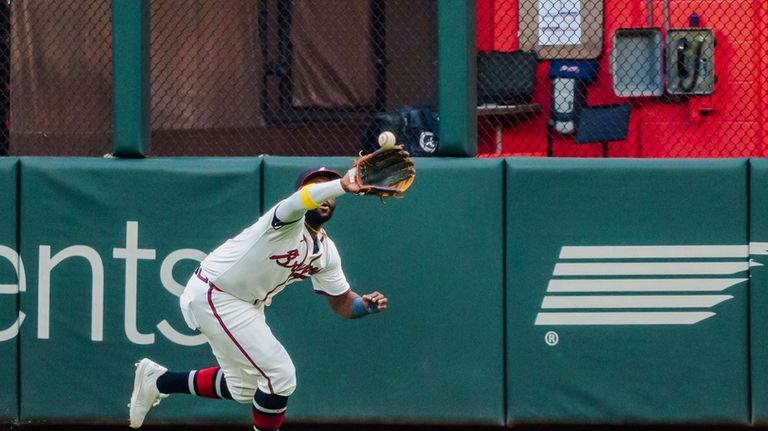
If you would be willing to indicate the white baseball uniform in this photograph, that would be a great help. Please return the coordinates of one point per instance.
(225, 299)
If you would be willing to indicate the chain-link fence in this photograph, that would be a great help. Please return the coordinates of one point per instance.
(300, 77)
(228, 78)
(585, 78)
(5, 68)
(60, 77)
(645, 78)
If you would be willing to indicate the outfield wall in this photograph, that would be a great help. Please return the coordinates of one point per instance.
(522, 291)
(9, 284)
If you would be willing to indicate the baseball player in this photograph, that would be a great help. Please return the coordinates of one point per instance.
(226, 297)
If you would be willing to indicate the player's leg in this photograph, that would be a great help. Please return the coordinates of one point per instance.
(153, 382)
(257, 367)
(208, 383)
(268, 411)
(270, 401)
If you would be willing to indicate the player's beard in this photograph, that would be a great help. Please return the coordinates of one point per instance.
(318, 217)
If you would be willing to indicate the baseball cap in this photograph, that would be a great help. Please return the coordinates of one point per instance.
(309, 173)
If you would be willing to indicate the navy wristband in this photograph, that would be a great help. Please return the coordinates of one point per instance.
(358, 308)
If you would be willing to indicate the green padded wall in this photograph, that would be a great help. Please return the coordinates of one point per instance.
(9, 285)
(436, 355)
(646, 367)
(758, 291)
(473, 243)
(176, 209)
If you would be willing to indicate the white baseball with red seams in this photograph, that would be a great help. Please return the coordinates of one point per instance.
(387, 140)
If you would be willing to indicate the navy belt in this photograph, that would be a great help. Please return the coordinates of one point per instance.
(204, 279)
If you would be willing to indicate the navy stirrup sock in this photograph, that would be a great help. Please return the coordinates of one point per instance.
(268, 411)
(209, 383)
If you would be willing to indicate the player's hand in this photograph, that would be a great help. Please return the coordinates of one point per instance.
(375, 301)
(349, 181)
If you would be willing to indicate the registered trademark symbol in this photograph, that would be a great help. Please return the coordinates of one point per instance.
(551, 338)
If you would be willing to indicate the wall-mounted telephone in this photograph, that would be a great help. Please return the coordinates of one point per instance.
(690, 61)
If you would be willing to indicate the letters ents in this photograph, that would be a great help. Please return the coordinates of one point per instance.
(131, 254)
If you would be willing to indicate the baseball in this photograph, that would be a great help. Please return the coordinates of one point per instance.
(387, 140)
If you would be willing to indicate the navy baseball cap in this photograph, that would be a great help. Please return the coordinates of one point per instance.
(309, 173)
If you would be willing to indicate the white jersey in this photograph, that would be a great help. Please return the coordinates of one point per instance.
(264, 258)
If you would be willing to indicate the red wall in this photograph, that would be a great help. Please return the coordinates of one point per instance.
(732, 122)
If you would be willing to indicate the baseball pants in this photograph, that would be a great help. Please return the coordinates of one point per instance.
(247, 352)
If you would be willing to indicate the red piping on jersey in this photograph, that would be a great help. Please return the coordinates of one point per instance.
(232, 337)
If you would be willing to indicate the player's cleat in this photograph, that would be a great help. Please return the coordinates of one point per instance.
(145, 393)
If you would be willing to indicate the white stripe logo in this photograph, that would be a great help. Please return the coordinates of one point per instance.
(629, 285)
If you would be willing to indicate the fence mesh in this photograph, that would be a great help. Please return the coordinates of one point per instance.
(300, 77)
(5, 69)
(623, 79)
(583, 78)
(60, 77)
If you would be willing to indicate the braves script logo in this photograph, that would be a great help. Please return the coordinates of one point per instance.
(299, 270)
(644, 285)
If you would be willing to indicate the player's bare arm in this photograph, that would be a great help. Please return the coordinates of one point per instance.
(351, 305)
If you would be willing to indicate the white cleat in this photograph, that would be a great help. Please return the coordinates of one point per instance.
(145, 393)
